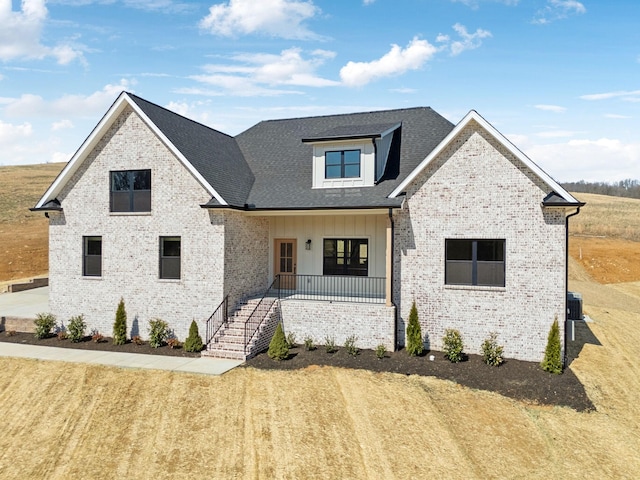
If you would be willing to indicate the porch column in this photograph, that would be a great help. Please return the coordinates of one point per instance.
(389, 261)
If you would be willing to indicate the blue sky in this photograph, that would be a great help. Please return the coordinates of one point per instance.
(559, 78)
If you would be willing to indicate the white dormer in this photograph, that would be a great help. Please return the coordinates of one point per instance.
(351, 156)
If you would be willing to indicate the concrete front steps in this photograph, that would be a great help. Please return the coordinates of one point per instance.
(229, 341)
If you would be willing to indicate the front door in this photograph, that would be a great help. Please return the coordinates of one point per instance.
(285, 262)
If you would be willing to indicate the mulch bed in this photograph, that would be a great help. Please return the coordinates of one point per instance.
(524, 381)
(105, 345)
(517, 379)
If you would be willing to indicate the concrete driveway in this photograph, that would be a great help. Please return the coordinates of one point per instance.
(24, 304)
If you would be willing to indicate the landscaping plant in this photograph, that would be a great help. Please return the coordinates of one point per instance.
(278, 347)
(120, 325)
(453, 345)
(308, 344)
(158, 332)
(193, 343)
(491, 351)
(552, 361)
(381, 350)
(76, 328)
(415, 345)
(45, 323)
(330, 344)
(350, 345)
(291, 339)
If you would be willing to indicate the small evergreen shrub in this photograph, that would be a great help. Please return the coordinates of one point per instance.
(415, 345)
(453, 345)
(193, 343)
(552, 361)
(308, 344)
(278, 347)
(291, 339)
(330, 345)
(491, 351)
(45, 323)
(120, 325)
(381, 350)
(76, 328)
(350, 345)
(158, 332)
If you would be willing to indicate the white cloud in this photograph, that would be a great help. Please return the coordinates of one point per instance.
(255, 74)
(61, 125)
(368, 2)
(10, 133)
(558, 10)
(403, 90)
(551, 108)
(276, 18)
(395, 62)
(556, 134)
(21, 31)
(627, 95)
(475, 4)
(29, 105)
(468, 41)
(615, 115)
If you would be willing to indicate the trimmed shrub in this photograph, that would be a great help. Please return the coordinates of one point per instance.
(552, 361)
(453, 345)
(45, 323)
(278, 347)
(158, 332)
(381, 351)
(350, 345)
(308, 344)
(120, 325)
(291, 339)
(76, 328)
(193, 343)
(415, 345)
(491, 351)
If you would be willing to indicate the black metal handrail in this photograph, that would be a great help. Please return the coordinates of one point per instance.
(217, 319)
(333, 288)
(260, 312)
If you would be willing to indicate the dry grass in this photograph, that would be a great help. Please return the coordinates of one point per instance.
(24, 234)
(81, 421)
(603, 215)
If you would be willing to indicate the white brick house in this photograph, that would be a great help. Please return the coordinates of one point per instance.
(354, 216)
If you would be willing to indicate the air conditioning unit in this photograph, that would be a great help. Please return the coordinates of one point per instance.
(574, 305)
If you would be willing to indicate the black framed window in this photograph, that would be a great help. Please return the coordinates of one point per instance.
(92, 256)
(342, 164)
(130, 191)
(348, 256)
(170, 257)
(475, 262)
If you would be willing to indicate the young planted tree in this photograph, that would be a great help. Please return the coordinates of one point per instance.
(415, 345)
(120, 325)
(278, 347)
(552, 361)
(193, 343)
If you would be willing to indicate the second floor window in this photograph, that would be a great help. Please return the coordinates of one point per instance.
(342, 164)
(130, 191)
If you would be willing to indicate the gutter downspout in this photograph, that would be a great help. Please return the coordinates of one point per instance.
(566, 282)
(391, 249)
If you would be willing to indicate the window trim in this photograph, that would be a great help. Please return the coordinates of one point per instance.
(162, 258)
(131, 191)
(346, 270)
(474, 262)
(86, 255)
(343, 163)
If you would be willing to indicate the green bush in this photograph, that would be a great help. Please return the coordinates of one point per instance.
(308, 344)
(330, 344)
(158, 332)
(552, 361)
(453, 345)
(278, 347)
(350, 345)
(491, 351)
(415, 345)
(291, 339)
(120, 325)
(381, 350)
(45, 323)
(193, 343)
(76, 328)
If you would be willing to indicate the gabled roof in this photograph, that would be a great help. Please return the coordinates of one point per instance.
(352, 132)
(474, 116)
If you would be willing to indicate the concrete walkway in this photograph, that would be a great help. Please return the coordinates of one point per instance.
(25, 304)
(206, 366)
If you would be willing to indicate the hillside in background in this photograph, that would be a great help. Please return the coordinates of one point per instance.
(624, 188)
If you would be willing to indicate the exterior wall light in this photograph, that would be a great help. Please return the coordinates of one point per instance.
(307, 245)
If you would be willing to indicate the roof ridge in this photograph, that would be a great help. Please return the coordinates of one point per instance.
(388, 110)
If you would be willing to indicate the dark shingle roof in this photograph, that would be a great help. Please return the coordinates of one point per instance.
(282, 163)
(352, 131)
(214, 154)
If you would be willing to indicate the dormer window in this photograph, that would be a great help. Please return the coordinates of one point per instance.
(342, 164)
